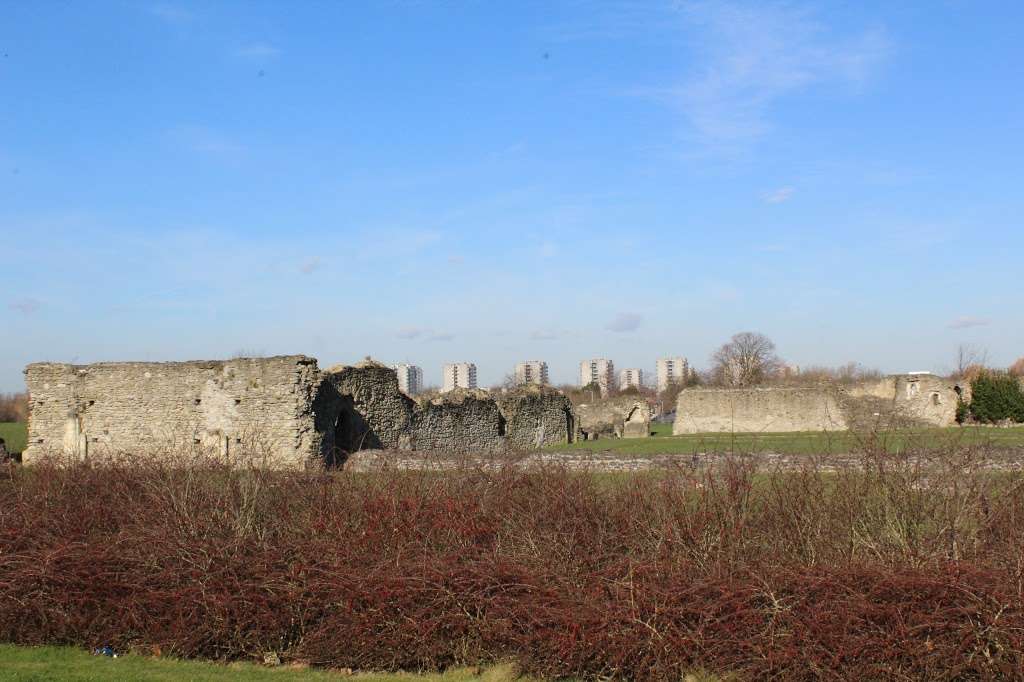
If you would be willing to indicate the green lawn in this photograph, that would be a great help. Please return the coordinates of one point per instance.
(662, 442)
(74, 665)
(14, 434)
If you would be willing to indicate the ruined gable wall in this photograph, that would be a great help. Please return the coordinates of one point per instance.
(257, 406)
(708, 410)
(536, 416)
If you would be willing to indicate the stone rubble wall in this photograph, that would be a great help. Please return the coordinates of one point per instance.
(280, 411)
(618, 417)
(374, 412)
(755, 410)
(246, 407)
(537, 416)
(893, 402)
(462, 420)
(369, 411)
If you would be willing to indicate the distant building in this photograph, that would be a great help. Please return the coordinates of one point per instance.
(458, 375)
(672, 371)
(599, 371)
(410, 378)
(532, 372)
(631, 377)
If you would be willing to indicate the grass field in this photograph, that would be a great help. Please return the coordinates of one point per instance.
(14, 434)
(74, 665)
(662, 442)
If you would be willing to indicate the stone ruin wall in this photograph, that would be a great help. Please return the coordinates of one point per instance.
(462, 421)
(256, 407)
(618, 417)
(755, 410)
(281, 410)
(892, 402)
(369, 411)
(536, 416)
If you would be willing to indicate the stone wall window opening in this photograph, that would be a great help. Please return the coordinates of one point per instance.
(936, 399)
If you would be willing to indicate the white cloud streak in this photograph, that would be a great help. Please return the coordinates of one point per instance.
(778, 196)
(967, 321)
(753, 55)
(625, 322)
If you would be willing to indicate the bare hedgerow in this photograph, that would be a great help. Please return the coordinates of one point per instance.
(893, 566)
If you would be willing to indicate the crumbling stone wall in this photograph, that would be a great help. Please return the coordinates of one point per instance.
(927, 398)
(895, 401)
(361, 407)
(463, 420)
(536, 416)
(246, 407)
(701, 410)
(618, 417)
(282, 410)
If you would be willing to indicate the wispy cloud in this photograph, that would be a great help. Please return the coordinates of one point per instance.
(25, 306)
(778, 196)
(967, 321)
(257, 51)
(207, 141)
(397, 242)
(170, 13)
(755, 54)
(425, 333)
(625, 322)
(410, 333)
(310, 265)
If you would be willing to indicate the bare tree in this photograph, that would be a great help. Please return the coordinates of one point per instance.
(748, 359)
(1017, 368)
(970, 360)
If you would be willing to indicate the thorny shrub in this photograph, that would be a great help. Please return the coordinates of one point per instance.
(898, 567)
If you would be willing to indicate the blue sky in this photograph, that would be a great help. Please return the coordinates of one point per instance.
(437, 181)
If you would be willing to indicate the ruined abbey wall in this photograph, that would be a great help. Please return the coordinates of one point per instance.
(281, 411)
(536, 416)
(459, 421)
(892, 402)
(753, 410)
(618, 417)
(259, 407)
(373, 413)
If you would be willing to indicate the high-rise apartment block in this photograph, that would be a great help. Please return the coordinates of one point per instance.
(598, 371)
(631, 377)
(532, 372)
(458, 375)
(672, 371)
(410, 378)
